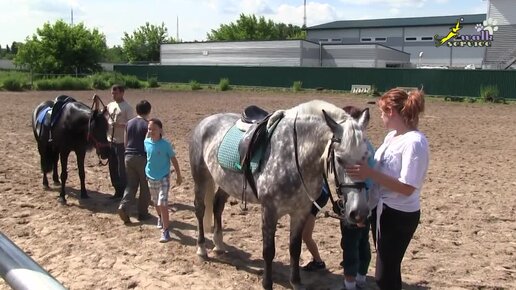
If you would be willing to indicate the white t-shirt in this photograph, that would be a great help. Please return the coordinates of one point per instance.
(120, 113)
(404, 157)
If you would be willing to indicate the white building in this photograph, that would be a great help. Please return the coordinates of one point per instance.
(503, 52)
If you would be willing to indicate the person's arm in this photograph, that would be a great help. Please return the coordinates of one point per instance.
(179, 179)
(363, 171)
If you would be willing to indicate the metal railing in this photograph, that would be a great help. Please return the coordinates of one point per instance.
(21, 271)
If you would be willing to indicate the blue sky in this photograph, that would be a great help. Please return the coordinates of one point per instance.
(21, 18)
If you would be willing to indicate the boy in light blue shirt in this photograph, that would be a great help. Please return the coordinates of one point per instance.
(160, 154)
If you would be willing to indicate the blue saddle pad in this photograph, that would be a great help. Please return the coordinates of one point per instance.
(228, 155)
(41, 115)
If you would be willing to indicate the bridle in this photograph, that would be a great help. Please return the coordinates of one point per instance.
(339, 205)
(89, 136)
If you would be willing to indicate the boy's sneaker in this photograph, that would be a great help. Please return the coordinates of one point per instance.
(160, 223)
(165, 236)
(314, 266)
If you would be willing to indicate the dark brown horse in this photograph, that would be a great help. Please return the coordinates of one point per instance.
(76, 128)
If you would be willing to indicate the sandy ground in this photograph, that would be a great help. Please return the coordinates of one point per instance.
(466, 239)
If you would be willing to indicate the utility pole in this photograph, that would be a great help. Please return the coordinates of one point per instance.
(71, 13)
(304, 15)
(177, 29)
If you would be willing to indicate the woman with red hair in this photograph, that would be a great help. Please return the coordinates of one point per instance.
(402, 163)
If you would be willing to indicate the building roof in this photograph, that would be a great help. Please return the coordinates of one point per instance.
(401, 22)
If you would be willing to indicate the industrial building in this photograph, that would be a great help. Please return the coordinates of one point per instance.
(458, 41)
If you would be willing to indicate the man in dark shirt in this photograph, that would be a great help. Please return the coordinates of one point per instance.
(135, 160)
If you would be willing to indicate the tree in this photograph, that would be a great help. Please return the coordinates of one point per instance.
(251, 28)
(62, 49)
(14, 47)
(115, 54)
(145, 42)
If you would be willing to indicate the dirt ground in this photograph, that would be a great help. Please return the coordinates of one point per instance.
(466, 239)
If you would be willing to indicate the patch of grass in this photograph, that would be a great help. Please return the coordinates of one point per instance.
(195, 85)
(297, 86)
(224, 84)
(489, 93)
(153, 82)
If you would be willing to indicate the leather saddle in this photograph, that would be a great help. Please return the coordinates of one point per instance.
(255, 138)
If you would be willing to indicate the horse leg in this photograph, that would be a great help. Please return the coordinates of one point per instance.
(296, 231)
(269, 223)
(55, 176)
(45, 181)
(218, 207)
(82, 175)
(202, 187)
(64, 175)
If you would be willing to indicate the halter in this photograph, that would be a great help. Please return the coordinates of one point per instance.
(90, 137)
(339, 205)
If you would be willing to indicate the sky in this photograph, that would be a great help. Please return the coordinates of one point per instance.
(192, 20)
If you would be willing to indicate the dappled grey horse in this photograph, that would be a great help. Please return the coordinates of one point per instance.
(290, 176)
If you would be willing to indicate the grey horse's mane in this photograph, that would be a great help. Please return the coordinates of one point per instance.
(351, 133)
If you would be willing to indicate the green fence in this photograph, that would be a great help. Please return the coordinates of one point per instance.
(435, 81)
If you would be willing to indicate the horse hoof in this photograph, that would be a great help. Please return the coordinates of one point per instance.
(202, 254)
(219, 251)
(57, 183)
(62, 201)
(84, 196)
(46, 187)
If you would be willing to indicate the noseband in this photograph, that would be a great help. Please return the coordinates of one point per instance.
(339, 205)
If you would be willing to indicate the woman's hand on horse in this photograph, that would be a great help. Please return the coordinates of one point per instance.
(359, 171)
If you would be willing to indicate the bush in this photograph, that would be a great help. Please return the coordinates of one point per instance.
(153, 82)
(224, 84)
(297, 86)
(195, 85)
(100, 81)
(132, 82)
(72, 83)
(489, 93)
(13, 84)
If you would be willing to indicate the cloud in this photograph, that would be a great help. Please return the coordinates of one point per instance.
(316, 13)
(389, 3)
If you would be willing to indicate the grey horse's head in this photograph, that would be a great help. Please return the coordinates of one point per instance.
(347, 147)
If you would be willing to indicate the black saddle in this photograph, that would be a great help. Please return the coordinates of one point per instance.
(255, 138)
(253, 114)
(58, 106)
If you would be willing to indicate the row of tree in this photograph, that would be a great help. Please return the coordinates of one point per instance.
(9, 51)
(61, 48)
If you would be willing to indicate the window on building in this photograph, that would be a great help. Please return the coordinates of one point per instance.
(323, 40)
(336, 40)
(427, 38)
(411, 38)
(380, 39)
(393, 65)
(365, 39)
